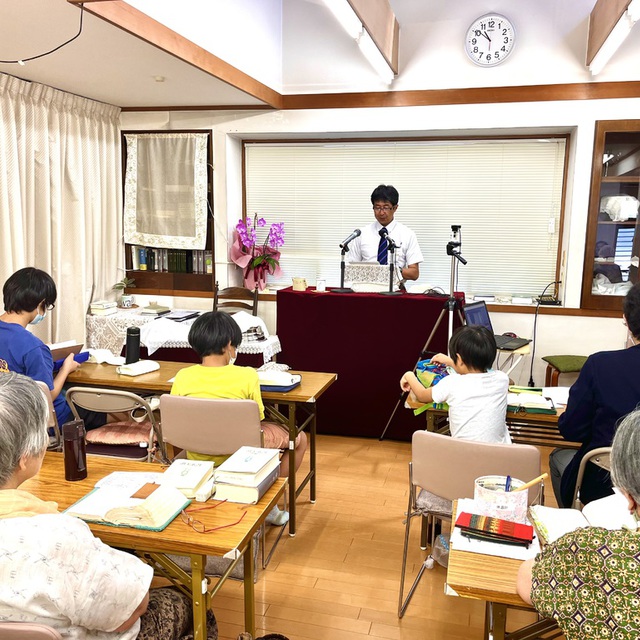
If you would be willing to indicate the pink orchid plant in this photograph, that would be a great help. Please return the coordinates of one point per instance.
(257, 259)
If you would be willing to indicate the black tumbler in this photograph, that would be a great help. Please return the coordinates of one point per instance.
(74, 449)
(132, 350)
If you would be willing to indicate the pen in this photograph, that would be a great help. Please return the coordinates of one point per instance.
(507, 484)
(532, 482)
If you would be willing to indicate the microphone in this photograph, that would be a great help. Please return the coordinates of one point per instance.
(383, 232)
(353, 236)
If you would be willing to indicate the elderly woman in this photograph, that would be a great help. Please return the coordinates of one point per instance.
(589, 580)
(52, 569)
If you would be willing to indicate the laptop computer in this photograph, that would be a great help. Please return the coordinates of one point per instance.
(476, 313)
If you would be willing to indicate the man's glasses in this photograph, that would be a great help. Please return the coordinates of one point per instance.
(386, 208)
(199, 527)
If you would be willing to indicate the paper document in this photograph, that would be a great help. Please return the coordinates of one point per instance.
(129, 481)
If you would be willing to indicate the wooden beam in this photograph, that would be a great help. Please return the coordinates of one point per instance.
(129, 19)
(603, 19)
(380, 22)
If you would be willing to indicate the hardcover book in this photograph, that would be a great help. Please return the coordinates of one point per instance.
(246, 494)
(248, 466)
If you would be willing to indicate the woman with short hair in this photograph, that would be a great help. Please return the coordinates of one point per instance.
(53, 570)
(589, 580)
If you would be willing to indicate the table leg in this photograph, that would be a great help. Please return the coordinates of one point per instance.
(199, 595)
(495, 621)
(249, 594)
(293, 432)
(312, 456)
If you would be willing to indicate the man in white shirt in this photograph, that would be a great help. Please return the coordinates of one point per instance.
(371, 246)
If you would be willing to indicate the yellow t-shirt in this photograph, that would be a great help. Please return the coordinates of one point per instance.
(231, 382)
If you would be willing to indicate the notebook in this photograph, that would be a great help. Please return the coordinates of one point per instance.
(476, 313)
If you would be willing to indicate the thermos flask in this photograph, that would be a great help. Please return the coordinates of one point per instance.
(132, 350)
(74, 449)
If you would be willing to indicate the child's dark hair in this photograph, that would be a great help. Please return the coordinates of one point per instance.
(26, 289)
(475, 345)
(212, 332)
(631, 309)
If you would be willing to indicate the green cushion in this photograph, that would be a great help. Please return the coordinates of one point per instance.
(566, 364)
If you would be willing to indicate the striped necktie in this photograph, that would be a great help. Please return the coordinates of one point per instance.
(383, 246)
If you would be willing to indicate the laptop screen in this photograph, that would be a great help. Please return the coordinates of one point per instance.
(476, 313)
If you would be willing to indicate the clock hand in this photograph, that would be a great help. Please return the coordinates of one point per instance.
(484, 33)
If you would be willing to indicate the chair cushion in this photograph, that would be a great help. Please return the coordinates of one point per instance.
(429, 502)
(130, 432)
(566, 364)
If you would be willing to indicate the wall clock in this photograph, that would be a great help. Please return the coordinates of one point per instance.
(490, 40)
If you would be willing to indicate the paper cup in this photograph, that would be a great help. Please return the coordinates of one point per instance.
(492, 500)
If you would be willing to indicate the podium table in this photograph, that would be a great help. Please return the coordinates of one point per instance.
(369, 340)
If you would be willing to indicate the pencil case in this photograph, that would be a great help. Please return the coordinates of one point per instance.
(494, 529)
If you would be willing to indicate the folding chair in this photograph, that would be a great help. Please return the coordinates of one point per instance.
(445, 468)
(112, 401)
(213, 427)
(55, 442)
(601, 457)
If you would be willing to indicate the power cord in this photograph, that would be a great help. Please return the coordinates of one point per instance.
(21, 61)
(535, 324)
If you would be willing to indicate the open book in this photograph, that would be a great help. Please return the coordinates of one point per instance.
(611, 513)
(188, 476)
(529, 401)
(118, 507)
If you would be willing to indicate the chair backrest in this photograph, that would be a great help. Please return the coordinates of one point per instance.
(448, 466)
(601, 457)
(210, 426)
(115, 401)
(27, 631)
(237, 298)
(52, 420)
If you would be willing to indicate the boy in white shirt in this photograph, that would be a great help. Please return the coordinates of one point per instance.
(476, 394)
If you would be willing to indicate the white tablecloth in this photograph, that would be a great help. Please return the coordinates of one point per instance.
(110, 332)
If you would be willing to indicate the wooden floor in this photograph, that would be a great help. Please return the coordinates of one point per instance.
(338, 578)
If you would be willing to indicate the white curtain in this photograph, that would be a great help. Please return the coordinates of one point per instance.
(60, 197)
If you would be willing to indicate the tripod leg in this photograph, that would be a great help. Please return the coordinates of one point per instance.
(404, 394)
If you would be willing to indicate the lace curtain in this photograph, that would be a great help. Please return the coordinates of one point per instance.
(165, 197)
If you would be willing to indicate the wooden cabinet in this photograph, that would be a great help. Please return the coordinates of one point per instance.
(613, 239)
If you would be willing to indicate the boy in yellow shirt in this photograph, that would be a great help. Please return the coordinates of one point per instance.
(215, 337)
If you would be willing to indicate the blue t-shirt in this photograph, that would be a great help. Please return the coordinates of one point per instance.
(22, 352)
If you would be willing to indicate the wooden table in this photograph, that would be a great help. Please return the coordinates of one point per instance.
(492, 579)
(296, 409)
(178, 538)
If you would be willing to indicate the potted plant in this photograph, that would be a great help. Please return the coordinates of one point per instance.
(119, 287)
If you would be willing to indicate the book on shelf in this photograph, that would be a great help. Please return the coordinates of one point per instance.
(135, 257)
(611, 513)
(188, 476)
(248, 466)
(142, 258)
(246, 494)
(152, 507)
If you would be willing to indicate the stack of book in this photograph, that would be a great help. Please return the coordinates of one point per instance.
(155, 310)
(247, 474)
(103, 308)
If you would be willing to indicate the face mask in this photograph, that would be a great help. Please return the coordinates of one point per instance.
(232, 360)
(39, 318)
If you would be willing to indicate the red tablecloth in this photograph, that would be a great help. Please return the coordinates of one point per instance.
(369, 340)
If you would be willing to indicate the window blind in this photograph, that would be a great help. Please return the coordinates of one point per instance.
(506, 194)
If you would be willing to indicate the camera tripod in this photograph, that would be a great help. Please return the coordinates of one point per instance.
(449, 308)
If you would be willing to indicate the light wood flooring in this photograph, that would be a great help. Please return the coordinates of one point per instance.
(338, 577)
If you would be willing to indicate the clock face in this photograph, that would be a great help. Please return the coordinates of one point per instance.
(490, 40)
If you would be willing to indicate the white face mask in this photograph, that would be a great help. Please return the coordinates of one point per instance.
(39, 318)
(233, 359)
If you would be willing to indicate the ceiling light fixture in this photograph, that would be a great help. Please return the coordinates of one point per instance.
(347, 17)
(615, 39)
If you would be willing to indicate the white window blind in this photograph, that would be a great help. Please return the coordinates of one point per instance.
(506, 194)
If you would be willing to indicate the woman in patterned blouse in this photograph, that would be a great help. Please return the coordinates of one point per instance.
(589, 579)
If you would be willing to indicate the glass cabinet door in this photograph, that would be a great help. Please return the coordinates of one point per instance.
(613, 241)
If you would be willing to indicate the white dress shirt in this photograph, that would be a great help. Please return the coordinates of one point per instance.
(365, 247)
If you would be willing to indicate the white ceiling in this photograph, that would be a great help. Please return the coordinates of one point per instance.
(316, 56)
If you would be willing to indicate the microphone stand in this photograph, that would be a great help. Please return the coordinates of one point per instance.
(342, 288)
(392, 269)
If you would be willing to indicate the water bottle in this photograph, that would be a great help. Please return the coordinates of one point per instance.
(132, 350)
(74, 449)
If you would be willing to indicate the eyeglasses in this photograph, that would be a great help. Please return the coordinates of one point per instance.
(199, 527)
(386, 208)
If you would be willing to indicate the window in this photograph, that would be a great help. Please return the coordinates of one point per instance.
(505, 193)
